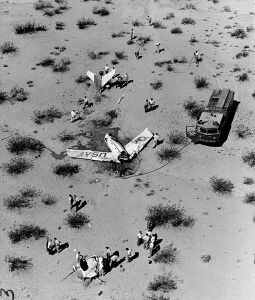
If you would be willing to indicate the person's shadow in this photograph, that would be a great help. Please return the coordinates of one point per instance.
(79, 205)
(62, 247)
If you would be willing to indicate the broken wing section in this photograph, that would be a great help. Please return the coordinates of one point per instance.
(91, 155)
(107, 77)
(138, 143)
(91, 75)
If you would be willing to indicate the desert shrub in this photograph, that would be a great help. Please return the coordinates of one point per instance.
(41, 5)
(177, 137)
(169, 16)
(249, 158)
(243, 131)
(46, 61)
(249, 198)
(182, 60)
(143, 40)
(59, 25)
(118, 34)
(8, 47)
(242, 54)
(18, 264)
(102, 11)
(221, 185)
(201, 82)
(77, 220)
(48, 200)
(18, 94)
(156, 85)
(120, 55)
(65, 136)
(193, 40)
(158, 25)
(162, 215)
(137, 23)
(112, 114)
(239, 33)
(190, 6)
(85, 23)
(253, 95)
(3, 97)
(153, 296)
(21, 144)
(29, 27)
(49, 12)
(214, 1)
(17, 166)
(130, 42)
(168, 153)
(66, 169)
(82, 79)
(243, 77)
(98, 55)
(25, 232)
(249, 28)
(114, 61)
(248, 180)
(193, 108)
(162, 63)
(176, 30)
(167, 255)
(107, 120)
(170, 68)
(188, 21)
(62, 65)
(163, 283)
(226, 8)
(48, 115)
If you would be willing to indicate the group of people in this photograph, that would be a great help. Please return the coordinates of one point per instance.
(148, 241)
(149, 105)
(75, 114)
(53, 246)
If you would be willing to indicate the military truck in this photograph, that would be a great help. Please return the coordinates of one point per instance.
(212, 122)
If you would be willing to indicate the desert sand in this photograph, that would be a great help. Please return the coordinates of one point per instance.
(224, 226)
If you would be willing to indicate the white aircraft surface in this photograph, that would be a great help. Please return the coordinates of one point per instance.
(100, 81)
(119, 153)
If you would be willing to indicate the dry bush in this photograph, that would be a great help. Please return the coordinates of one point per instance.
(248, 180)
(29, 27)
(143, 40)
(188, 21)
(182, 60)
(26, 232)
(46, 62)
(239, 33)
(49, 12)
(137, 23)
(84, 23)
(66, 169)
(114, 61)
(226, 8)
(62, 65)
(167, 255)
(221, 185)
(242, 54)
(242, 131)
(193, 108)
(168, 153)
(163, 283)
(158, 25)
(83, 79)
(8, 47)
(169, 16)
(66, 136)
(190, 6)
(177, 137)
(3, 97)
(98, 55)
(18, 264)
(176, 30)
(120, 55)
(156, 85)
(41, 5)
(170, 68)
(77, 220)
(119, 34)
(18, 94)
(59, 25)
(249, 198)
(21, 144)
(249, 158)
(201, 82)
(17, 165)
(49, 200)
(48, 115)
(102, 11)
(193, 40)
(249, 28)
(107, 120)
(162, 63)
(243, 77)
(153, 296)
(163, 215)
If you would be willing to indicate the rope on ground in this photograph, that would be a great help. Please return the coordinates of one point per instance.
(159, 168)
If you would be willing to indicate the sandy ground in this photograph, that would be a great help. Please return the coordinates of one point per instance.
(224, 226)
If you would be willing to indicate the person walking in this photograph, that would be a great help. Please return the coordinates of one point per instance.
(146, 106)
(157, 47)
(151, 103)
(71, 200)
(151, 246)
(131, 34)
(155, 140)
(146, 240)
(114, 260)
(129, 255)
(106, 69)
(57, 244)
(139, 238)
(149, 20)
(108, 254)
(85, 103)
(50, 246)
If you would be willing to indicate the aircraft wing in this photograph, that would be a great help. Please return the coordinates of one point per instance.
(107, 77)
(139, 142)
(91, 155)
(90, 75)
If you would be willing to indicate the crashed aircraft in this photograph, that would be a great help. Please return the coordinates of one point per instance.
(100, 81)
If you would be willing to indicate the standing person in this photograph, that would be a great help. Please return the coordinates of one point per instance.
(129, 254)
(157, 47)
(125, 79)
(131, 34)
(108, 254)
(156, 139)
(152, 245)
(71, 200)
(57, 244)
(106, 69)
(137, 54)
(139, 238)
(85, 103)
(50, 246)
(197, 58)
(149, 20)
(151, 103)
(73, 115)
(114, 259)
(74, 202)
(146, 240)
(146, 106)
